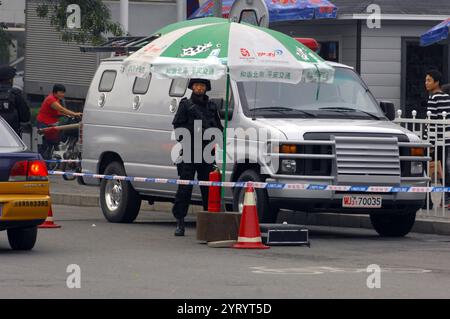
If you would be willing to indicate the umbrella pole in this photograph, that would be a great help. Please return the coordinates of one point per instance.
(224, 155)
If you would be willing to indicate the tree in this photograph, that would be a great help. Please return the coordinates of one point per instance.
(5, 42)
(95, 17)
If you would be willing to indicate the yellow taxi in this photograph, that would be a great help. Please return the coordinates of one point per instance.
(24, 190)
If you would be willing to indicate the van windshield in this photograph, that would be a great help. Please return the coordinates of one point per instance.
(345, 97)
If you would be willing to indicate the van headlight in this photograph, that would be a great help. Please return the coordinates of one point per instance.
(288, 166)
(416, 168)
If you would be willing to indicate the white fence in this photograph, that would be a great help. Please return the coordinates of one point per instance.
(427, 129)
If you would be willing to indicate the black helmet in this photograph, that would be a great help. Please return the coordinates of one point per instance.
(7, 72)
(205, 82)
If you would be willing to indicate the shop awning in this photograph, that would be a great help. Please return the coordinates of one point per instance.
(279, 10)
(436, 34)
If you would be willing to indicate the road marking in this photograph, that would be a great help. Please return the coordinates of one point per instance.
(320, 270)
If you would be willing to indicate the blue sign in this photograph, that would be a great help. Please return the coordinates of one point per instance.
(279, 10)
(436, 34)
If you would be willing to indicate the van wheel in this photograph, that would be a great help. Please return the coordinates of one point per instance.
(119, 201)
(266, 213)
(22, 238)
(394, 224)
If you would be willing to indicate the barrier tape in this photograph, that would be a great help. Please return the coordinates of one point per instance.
(310, 187)
(63, 161)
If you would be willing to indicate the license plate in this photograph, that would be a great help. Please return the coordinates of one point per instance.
(361, 201)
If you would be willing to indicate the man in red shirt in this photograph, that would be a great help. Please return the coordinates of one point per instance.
(51, 109)
(49, 113)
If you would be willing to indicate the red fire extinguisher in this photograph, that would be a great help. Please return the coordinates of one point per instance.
(214, 196)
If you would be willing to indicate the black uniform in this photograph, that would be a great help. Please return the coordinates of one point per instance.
(195, 108)
(13, 107)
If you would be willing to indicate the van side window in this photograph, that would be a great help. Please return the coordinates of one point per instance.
(178, 87)
(141, 85)
(107, 81)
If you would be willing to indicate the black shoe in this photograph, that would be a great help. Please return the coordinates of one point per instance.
(180, 227)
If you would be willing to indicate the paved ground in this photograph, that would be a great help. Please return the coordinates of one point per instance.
(145, 260)
(431, 222)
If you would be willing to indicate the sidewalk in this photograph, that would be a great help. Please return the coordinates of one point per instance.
(72, 194)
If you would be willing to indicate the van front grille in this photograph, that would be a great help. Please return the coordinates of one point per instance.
(363, 157)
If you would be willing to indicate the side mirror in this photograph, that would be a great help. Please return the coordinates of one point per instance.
(221, 106)
(388, 109)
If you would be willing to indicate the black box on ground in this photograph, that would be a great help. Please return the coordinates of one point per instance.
(284, 235)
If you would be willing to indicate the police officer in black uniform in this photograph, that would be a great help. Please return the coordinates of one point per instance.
(198, 107)
(13, 107)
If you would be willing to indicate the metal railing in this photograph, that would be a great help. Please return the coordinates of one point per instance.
(432, 131)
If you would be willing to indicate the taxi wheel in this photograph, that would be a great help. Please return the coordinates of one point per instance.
(22, 238)
(394, 224)
(119, 201)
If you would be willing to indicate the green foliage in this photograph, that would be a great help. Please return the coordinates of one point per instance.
(5, 42)
(95, 20)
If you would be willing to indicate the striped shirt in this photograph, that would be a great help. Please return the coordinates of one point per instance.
(438, 103)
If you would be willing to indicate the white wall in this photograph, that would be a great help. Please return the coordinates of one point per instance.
(146, 17)
(381, 56)
(342, 31)
(12, 11)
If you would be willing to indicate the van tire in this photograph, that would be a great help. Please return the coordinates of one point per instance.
(130, 202)
(393, 224)
(266, 213)
(22, 238)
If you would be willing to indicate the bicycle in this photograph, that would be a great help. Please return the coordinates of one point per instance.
(61, 148)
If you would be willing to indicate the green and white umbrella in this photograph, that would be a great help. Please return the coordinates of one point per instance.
(211, 48)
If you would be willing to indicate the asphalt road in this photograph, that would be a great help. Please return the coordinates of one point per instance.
(145, 260)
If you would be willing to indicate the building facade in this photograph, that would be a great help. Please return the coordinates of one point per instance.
(388, 57)
(12, 15)
(49, 60)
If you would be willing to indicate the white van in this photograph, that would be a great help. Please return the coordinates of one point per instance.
(335, 134)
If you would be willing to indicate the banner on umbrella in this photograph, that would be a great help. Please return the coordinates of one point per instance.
(167, 68)
(243, 74)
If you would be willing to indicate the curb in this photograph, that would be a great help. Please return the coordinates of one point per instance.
(94, 201)
(422, 225)
(75, 200)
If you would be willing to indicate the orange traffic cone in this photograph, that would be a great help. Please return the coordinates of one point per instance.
(49, 221)
(249, 232)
